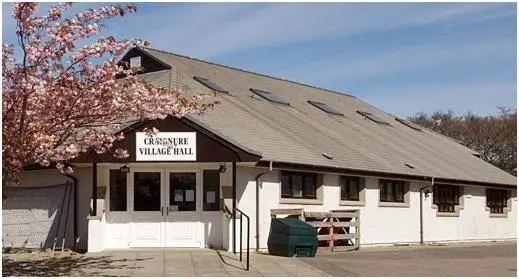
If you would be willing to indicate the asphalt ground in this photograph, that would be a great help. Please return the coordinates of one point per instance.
(485, 260)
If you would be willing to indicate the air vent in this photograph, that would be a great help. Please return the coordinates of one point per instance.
(327, 155)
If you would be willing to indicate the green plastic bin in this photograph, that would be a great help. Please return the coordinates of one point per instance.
(290, 237)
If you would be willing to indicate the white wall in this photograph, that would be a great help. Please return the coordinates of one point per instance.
(381, 225)
(473, 223)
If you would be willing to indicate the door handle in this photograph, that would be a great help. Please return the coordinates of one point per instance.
(162, 211)
(167, 210)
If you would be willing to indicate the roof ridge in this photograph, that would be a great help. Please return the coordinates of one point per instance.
(247, 71)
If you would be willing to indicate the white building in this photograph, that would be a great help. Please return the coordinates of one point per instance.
(278, 144)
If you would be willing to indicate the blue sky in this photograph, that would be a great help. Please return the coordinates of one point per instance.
(403, 58)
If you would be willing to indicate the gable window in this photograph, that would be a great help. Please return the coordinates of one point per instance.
(392, 190)
(298, 185)
(117, 190)
(135, 62)
(496, 200)
(269, 96)
(210, 84)
(350, 188)
(446, 197)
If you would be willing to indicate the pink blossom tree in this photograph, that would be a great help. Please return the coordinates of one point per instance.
(59, 100)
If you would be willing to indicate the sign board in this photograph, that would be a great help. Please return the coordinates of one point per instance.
(165, 146)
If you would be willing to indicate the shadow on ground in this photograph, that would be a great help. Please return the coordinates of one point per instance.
(69, 265)
(231, 261)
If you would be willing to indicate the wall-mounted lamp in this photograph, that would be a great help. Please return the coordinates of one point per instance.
(222, 168)
(124, 169)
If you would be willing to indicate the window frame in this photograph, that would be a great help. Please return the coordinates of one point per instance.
(501, 203)
(344, 184)
(447, 200)
(304, 176)
(393, 187)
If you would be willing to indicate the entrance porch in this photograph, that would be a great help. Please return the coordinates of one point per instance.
(166, 199)
(162, 205)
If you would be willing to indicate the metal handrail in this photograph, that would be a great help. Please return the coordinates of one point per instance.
(241, 235)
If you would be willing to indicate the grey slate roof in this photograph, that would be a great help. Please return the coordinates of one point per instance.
(300, 133)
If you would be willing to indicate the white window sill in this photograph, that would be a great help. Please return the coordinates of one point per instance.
(497, 215)
(393, 204)
(300, 201)
(351, 203)
(447, 214)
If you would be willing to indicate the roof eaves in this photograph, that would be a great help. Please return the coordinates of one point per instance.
(336, 169)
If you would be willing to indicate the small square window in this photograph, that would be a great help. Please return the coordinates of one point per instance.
(269, 96)
(392, 191)
(496, 200)
(446, 197)
(298, 185)
(135, 62)
(350, 188)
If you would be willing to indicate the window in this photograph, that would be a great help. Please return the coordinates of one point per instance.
(446, 197)
(372, 117)
(392, 191)
(324, 107)
(210, 84)
(135, 62)
(298, 185)
(350, 188)
(146, 191)
(496, 200)
(117, 190)
(408, 124)
(211, 190)
(269, 97)
(182, 191)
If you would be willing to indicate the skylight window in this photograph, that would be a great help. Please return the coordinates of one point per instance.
(324, 107)
(210, 84)
(408, 124)
(269, 97)
(372, 117)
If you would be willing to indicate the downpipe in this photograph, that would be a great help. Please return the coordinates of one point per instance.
(421, 208)
(74, 187)
(258, 205)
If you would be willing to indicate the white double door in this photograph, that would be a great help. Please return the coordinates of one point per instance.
(164, 208)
